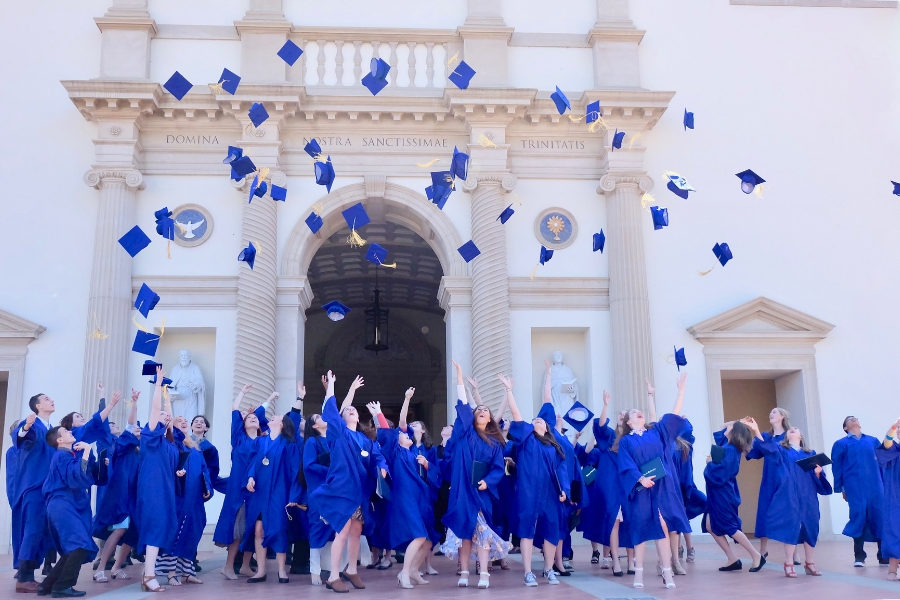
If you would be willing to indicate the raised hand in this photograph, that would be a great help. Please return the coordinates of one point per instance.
(374, 408)
(682, 380)
(247, 387)
(301, 390)
(100, 389)
(446, 432)
(134, 395)
(506, 381)
(80, 446)
(159, 376)
(358, 382)
(29, 421)
(606, 398)
(409, 393)
(324, 382)
(650, 389)
(330, 378)
(117, 395)
(472, 381)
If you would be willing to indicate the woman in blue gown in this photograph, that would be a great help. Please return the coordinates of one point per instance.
(888, 455)
(792, 516)
(650, 505)
(779, 419)
(316, 461)
(245, 428)
(475, 452)
(694, 500)
(723, 497)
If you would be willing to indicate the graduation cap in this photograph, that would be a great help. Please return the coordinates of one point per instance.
(376, 79)
(165, 224)
(678, 185)
(290, 52)
(722, 252)
(165, 381)
(506, 214)
(660, 217)
(440, 189)
(459, 164)
(145, 343)
(248, 254)
(178, 85)
(599, 242)
(578, 416)
(749, 180)
(335, 310)
(257, 188)
(146, 300)
(356, 216)
(546, 254)
(134, 241)
(314, 222)
(242, 167)
(377, 255)
(258, 114)
(149, 367)
(688, 120)
(618, 137)
(896, 188)
(313, 148)
(680, 360)
(593, 112)
(462, 75)
(325, 173)
(234, 153)
(559, 99)
(229, 81)
(468, 251)
(279, 193)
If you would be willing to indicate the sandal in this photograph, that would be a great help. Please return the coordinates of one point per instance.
(191, 579)
(668, 578)
(463, 579)
(100, 577)
(811, 569)
(789, 570)
(638, 578)
(174, 580)
(120, 574)
(150, 584)
(484, 581)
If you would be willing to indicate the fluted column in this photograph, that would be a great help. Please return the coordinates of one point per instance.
(629, 306)
(109, 301)
(491, 351)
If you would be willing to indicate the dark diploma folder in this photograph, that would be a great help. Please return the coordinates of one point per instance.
(383, 489)
(810, 463)
(480, 470)
(717, 453)
(654, 467)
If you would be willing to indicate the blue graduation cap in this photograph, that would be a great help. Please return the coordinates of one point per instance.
(165, 381)
(149, 367)
(134, 241)
(599, 243)
(279, 194)
(314, 222)
(258, 114)
(459, 164)
(242, 167)
(146, 300)
(896, 188)
(559, 99)
(507, 213)
(578, 416)
(546, 254)
(324, 173)
(376, 254)
(441, 188)
(749, 180)
(376, 79)
(660, 217)
(679, 186)
(688, 120)
(178, 85)
(593, 112)
(462, 75)
(680, 360)
(145, 343)
(356, 216)
(248, 254)
(335, 310)
(290, 52)
(229, 81)
(165, 225)
(618, 137)
(468, 251)
(313, 148)
(257, 188)
(723, 253)
(234, 153)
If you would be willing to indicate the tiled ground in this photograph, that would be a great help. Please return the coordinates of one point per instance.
(840, 581)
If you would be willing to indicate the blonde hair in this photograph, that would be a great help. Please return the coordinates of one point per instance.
(785, 419)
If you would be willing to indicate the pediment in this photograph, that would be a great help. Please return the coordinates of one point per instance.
(762, 319)
(12, 326)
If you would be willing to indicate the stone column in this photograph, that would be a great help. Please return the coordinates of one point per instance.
(614, 41)
(109, 327)
(485, 39)
(294, 297)
(629, 306)
(491, 351)
(126, 30)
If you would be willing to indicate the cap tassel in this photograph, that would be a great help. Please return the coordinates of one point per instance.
(97, 334)
(427, 164)
(452, 59)
(707, 271)
(758, 190)
(169, 249)
(393, 265)
(596, 125)
(355, 240)
(534, 271)
(216, 88)
(633, 140)
(486, 142)
(647, 200)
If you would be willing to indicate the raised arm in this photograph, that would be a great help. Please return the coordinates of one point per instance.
(891, 436)
(476, 393)
(513, 407)
(167, 403)
(651, 402)
(504, 404)
(301, 394)
(155, 404)
(404, 410)
(236, 405)
(461, 386)
(104, 414)
(605, 412)
(751, 423)
(548, 394)
(132, 408)
(329, 386)
(358, 382)
(679, 401)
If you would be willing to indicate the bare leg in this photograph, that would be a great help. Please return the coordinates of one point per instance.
(337, 548)
(228, 567)
(353, 545)
(259, 534)
(246, 571)
(674, 541)
(614, 548)
(741, 539)
(109, 547)
(730, 556)
(763, 545)
(526, 546)
(549, 554)
(465, 551)
(557, 558)
(688, 543)
(121, 556)
(410, 563)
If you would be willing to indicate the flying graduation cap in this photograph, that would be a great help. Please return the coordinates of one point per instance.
(376, 79)
(228, 81)
(149, 367)
(468, 251)
(896, 188)
(314, 221)
(678, 185)
(377, 255)
(578, 416)
(618, 138)
(599, 243)
(507, 213)
(278, 193)
(440, 189)
(660, 217)
(145, 343)
(165, 225)
(258, 114)
(178, 85)
(593, 112)
(290, 52)
(134, 241)
(723, 253)
(241, 167)
(749, 180)
(146, 300)
(324, 171)
(461, 75)
(546, 254)
(559, 99)
(459, 164)
(335, 310)
(356, 218)
(258, 188)
(688, 120)
(680, 360)
(248, 254)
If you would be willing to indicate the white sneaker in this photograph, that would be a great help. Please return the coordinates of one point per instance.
(859, 563)
(567, 565)
(100, 577)
(551, 577)
(530, 579)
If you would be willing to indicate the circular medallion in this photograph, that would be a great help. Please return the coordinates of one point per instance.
(193, 225)
(364, 453)
(265, 461)
(555, 228)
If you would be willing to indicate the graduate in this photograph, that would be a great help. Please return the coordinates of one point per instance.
(476, 466)
(298, 523)
(694, 500)
(542, 486)
(30, 539)
(723, 497)
(67, 494)
(199, 430)
(779, 418)
(889, 459)
(316, 460)
(245, 427)
(95, 429)
(11, 459)
(650, 506)
(792, 516)
(858, 478)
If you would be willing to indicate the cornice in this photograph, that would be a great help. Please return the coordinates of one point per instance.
(486, 29)
(375, 34)
(761, 321)
(636, 109)
(559, 293)
(13, 327)
(615, 34)
(454, 293)
(191, 292)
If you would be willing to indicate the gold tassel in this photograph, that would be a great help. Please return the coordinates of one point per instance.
(534, 271)
(138, 325)
(705, 273)
(452, 59)
(97, 334)
(427, 164)
(758, 191)
(633, 140)
(393, 265)
(646, 201)
(216, 88)
(355, 240)
(486, 142)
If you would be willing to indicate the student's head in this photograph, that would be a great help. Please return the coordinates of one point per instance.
(852, 426)
(545, 436)
(199, 426)
(41, 404)
(404, 440)
(741, 437)
(634, 420)
(540, 426)
(165, 418)
(420, 433)
(483, 416)
(780, 417)
(486, 427)
(794, 437)
(59, 437)
(350, 415)
(180, 423)
(72, 420)
(251, 425)
(315, 426)
(286, 425)
(114, 428)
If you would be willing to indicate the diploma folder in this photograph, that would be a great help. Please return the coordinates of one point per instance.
(810, 463)
(654, 467)
(480, 469)
(717, 453)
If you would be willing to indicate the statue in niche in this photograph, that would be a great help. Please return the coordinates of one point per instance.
(188, 390)
(563, 384)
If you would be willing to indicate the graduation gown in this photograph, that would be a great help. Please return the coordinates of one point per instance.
(466, 501)
(11, 458)
(541, 475)
(642, 506)
(889, 459)
(722, 495)
(767, 484)
(189, 501)
(118, 501)
(316, 460)
(67, 494)
(505, 512)
(211, 457)
(95, 429)
(694, 500)
(369, 452)
(604, 494)
(434, 479)
(856, 473)
(155, 506)
(30, 539)
(273, 468)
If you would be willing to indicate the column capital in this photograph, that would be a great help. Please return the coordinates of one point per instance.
(611, 181)
(505, 180)
(95, 178)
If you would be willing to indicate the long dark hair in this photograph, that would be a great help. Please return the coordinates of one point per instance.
(287, 429)
(741, 437)
(426, 437)
(66, 421)
(492, 433)
(548, 439)
(309, 431)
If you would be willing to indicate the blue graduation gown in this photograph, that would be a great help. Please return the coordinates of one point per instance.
(369, 452)
(604, 494)
(211, 457)
(889, 459)
(243, 448)
(541, 473)
(505, 512)
(465, 499)
(856, 473)
(722, 495)
(155, 506)
(95, 429)
(642, 507)
(433, 478)
(766, 485)
(792, 516)
(30, 539)
(694, 500)
(315, 470)
(189, 508)
(118, 501)
(67, 494)
(273, 468)
(11, 459)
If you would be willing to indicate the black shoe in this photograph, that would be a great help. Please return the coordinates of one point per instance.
(629, 572)
(42, 591)
(283, 580)
(595, 557)
(399, 558)
(735, 566)
(619, 573)
(197, 566)
(797, 563)
(69, 592)
(762, 563)
(257, 579)
(562, 573)
(439, 553)
(46, 570)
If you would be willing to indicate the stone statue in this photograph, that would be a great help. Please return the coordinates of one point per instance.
(563, 384)
(188, 390)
